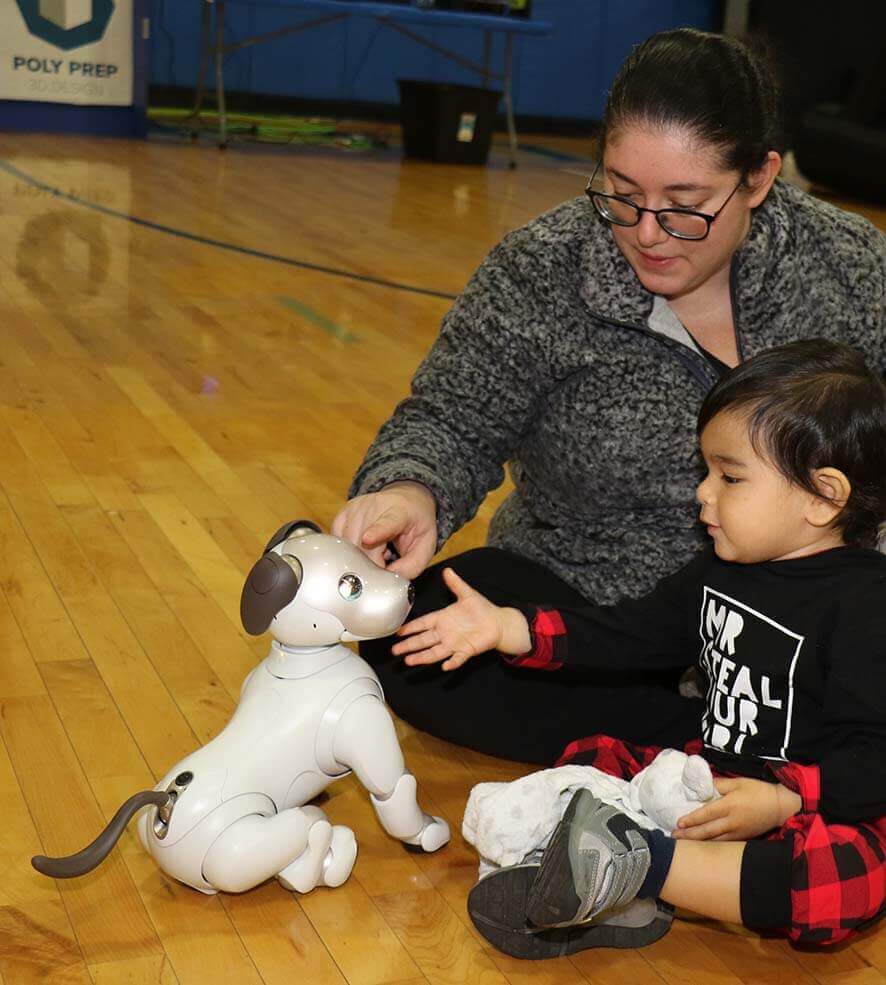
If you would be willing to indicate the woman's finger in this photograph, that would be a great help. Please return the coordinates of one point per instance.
(348, 525)
(414, 559)
(387, 526)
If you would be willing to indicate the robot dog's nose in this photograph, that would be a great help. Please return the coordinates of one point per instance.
(410, 593)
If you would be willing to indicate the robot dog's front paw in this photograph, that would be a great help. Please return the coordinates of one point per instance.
(434, 835)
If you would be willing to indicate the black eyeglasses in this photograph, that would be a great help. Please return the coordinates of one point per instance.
(679, 223)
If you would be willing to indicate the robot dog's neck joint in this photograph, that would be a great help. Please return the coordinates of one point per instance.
(304, 661)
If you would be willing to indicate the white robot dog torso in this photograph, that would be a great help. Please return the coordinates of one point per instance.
(311, 712)
(268, 765)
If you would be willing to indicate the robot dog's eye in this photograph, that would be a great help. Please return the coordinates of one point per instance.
(350, 587)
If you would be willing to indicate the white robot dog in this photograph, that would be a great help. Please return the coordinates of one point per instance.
(231, 815)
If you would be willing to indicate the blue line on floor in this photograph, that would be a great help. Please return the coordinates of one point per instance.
(221, 244)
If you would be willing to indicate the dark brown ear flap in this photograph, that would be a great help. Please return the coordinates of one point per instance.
(270, 586)
(288, 529)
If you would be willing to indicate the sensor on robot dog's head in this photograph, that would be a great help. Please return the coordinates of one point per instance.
(295, 528)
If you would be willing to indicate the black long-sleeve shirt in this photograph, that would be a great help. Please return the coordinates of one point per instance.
(793, 652)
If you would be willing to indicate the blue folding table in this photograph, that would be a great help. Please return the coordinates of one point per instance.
(394, 16)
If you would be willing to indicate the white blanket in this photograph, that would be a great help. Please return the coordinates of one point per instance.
(507, 821)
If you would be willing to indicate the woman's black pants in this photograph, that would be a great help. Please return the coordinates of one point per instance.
(526, 715)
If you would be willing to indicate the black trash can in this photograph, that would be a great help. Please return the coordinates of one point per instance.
(447, 123)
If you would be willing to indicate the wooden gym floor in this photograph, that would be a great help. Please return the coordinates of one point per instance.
(165, 403)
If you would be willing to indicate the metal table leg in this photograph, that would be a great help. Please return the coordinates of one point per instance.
(509, 104)
(219, 72)
(205, 48)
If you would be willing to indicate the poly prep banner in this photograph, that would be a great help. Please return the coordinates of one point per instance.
(66, 51)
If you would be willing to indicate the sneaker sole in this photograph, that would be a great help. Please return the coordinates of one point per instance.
(497, 907)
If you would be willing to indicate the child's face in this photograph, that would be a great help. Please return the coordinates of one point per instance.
(752, 512)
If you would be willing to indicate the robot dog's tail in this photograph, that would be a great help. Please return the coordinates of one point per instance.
(86, 860)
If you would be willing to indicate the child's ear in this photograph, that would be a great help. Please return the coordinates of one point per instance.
(833, 493)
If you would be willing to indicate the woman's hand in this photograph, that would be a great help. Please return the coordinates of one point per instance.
(747, 809)
(471, 625)
(403, 514)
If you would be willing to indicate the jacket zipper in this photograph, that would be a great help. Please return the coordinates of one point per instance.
(694, 362)
(732, 300)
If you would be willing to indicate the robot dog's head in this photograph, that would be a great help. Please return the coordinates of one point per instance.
(312, 589)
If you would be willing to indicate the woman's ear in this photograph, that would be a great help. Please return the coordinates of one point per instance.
(833, 493)
(760, 180)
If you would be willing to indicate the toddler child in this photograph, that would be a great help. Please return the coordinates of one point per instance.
(787, 612)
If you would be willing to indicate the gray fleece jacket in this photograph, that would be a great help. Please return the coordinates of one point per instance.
(553, 360)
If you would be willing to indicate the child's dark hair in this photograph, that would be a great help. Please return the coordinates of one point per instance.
(809, 405)
(717, 87)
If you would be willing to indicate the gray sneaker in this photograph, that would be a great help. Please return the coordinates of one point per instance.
(596, 860)
(497, 906)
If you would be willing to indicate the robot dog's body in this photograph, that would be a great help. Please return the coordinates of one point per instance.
(231, 814)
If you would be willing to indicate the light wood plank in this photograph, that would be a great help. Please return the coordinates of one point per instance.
(607, 967)
(104, 909)
(681, 958)
(280, 939)
(196, 690)
(362, 943)
(30, 594)
(158, 725)
(139, 971)
(197, 934)
(204, 461)
(437, 941)
(218, 638)
(37, 946)
(205, 558)
(18, 672)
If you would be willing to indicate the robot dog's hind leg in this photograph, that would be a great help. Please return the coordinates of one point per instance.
(254, 847)
(366, 742)
(326, 861)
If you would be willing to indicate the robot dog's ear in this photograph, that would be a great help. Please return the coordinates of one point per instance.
(270, 586)
(297, 528)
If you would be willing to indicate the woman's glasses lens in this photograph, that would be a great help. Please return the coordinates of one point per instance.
(684, 225)
(614, 210)
(680, 224)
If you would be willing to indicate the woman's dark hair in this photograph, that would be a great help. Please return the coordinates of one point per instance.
(809, 405)
(717, 87)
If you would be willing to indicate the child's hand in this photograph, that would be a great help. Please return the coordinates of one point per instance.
(747, 809)
(471, 625)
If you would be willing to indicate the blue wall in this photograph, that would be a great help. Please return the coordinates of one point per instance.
(565, 75)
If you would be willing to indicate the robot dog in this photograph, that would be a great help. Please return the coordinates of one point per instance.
(232, 814)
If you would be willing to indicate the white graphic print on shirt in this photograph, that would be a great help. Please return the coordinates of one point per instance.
(750, 662)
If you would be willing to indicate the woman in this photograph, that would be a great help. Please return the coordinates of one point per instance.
(580, 352)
